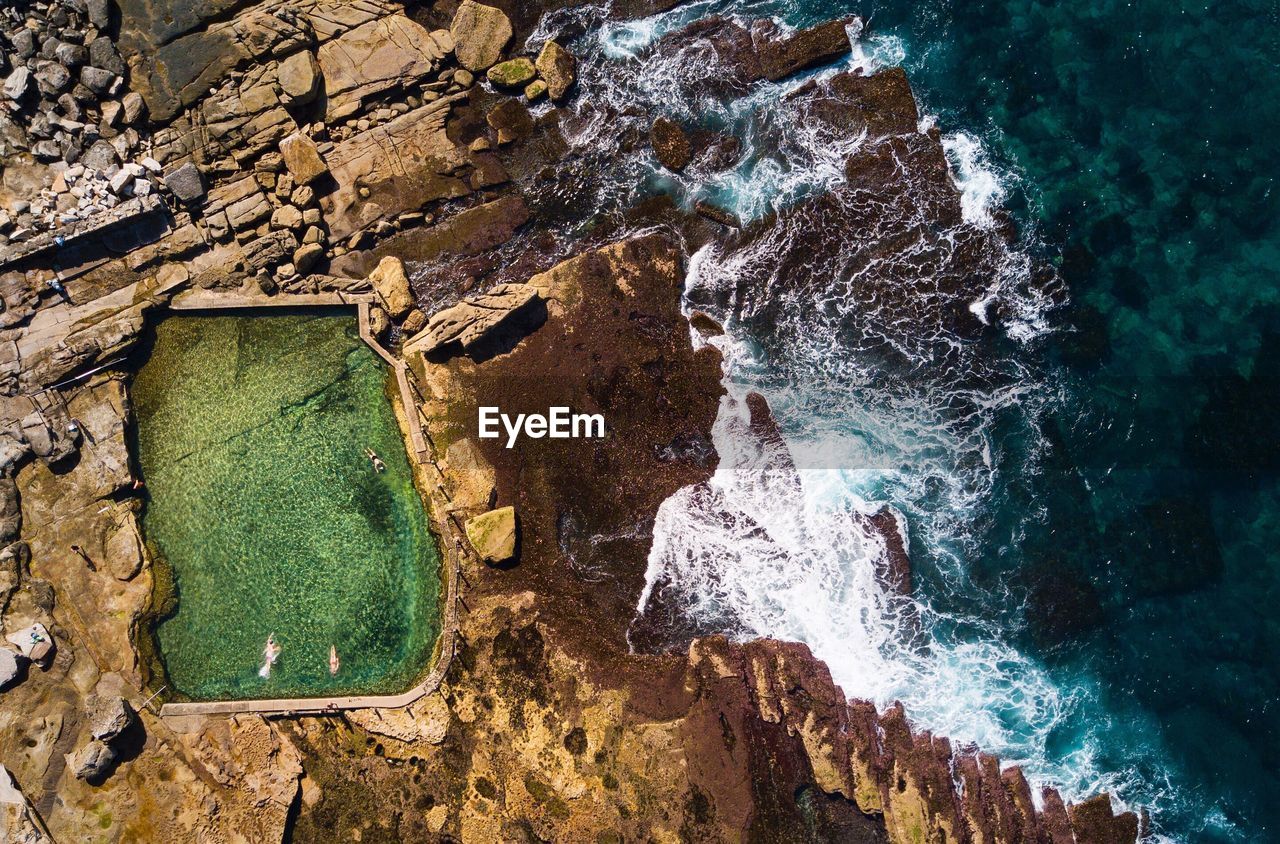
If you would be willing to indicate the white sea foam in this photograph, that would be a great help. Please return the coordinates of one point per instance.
(981, 186)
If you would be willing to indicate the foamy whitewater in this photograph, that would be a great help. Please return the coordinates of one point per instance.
(776, 545)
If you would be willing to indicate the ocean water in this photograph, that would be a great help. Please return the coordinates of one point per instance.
(251, 438)
(1093, 538)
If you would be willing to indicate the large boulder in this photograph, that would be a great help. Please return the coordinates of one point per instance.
(493, 534)
(512, 73)
(558, 68)
(475, 318)
(299, 77)
(479, 34)
(392, 286)
(109, 716)
(302, 158)
(93, 761)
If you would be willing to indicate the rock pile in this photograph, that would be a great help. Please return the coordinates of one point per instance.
(64, 103)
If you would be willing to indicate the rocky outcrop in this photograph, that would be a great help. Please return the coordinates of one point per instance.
(781, 55)
(558, 68)
(493, 535)
(670, 144)
(479, 35)
(392, 286)
(375, 56)
(480, 319)
(19, 823)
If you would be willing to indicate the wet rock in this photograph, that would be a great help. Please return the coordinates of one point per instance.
(392, 286)
(92, 762)
(511, 73)
(558, 68)
(511, 120)
(1093, 821)
(479, 35)
(533, 91)
(299, 77)
(781, 56)
(493, 535)
(471, 321)
(716, 214)
(186, 183)
(670, 144)
(302, 158)
(109, 716)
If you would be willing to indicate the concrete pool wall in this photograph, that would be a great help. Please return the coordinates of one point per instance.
(427, 477)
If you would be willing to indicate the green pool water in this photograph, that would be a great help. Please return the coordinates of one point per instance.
(251, 437)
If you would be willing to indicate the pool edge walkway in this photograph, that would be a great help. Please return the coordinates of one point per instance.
(423, 457)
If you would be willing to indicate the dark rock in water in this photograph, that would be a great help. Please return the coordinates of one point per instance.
(186, 183)
(899, 215)
(714, 151)
(717, 214)
(670, 144)
(722, 52)
(1094, 821)
(781, 56)
(511, 120)
(558, 68)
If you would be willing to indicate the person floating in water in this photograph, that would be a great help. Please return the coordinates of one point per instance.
(333, 660)
(269, 656)
(378, 465)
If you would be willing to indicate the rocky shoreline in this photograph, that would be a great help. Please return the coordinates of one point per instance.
(255, 151)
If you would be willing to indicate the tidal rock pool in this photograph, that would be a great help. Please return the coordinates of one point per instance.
(252, 435)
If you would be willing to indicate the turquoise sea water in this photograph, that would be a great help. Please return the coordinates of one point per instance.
(1137, 143)
(251, 438)
(1094, 547)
